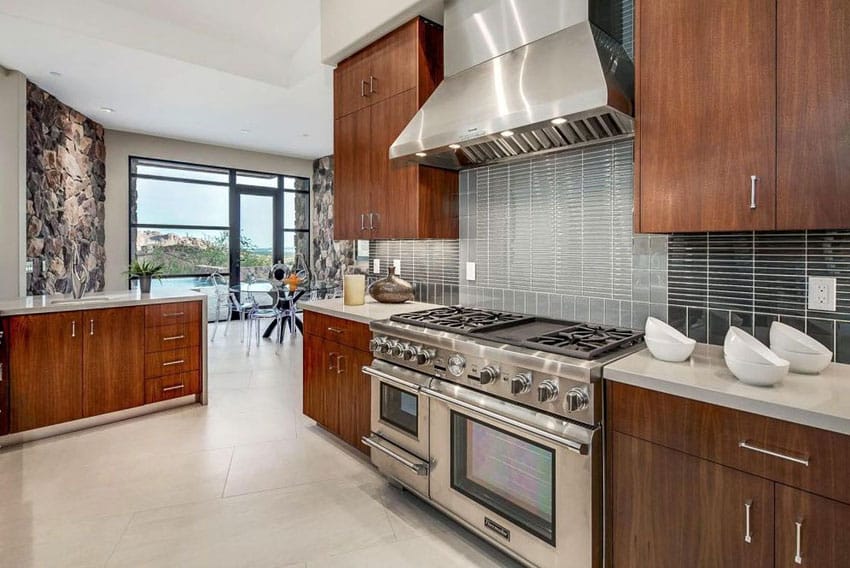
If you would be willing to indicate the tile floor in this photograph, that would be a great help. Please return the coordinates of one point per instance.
(245, 481)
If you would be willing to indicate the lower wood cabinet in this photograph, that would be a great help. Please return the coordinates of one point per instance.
(337, 394)
(676, 500)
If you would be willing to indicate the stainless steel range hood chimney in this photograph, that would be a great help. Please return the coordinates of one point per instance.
(523, 77)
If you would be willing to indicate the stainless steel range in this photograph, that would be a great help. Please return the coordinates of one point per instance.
(495, 418)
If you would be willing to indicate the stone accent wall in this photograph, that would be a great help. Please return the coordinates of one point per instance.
(329, 256)
(66, 183)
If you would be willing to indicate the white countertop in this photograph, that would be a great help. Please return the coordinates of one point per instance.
(821, 401)
(66, 303)
(368, 312)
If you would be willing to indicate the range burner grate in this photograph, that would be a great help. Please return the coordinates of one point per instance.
(459, 319)
(585, 341)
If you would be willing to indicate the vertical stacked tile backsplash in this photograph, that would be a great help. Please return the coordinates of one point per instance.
(430, 265)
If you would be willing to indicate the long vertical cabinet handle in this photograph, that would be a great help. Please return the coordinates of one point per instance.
(372, 82)
(798, 556)
(363, 88)
(371, 221)
(748, 533)
(91, 327)
(74, 328)
(339, 368)
(331, 356)
(362, 221)
(754, 180)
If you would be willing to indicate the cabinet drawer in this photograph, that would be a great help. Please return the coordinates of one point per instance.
(799, 456)
(170, 314)
(351, 333)
(172, 386)
(172, 362)
(170, 337)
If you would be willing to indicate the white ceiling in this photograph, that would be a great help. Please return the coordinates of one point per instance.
(202, 70)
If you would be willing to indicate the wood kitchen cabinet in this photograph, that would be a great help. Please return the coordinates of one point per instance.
(706, 115)
(376, 93)
(682, 474)
(337, 394)
(4, 378)
(45, 369)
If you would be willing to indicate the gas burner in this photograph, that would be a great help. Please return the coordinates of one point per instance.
(585, 341)
(458, 319)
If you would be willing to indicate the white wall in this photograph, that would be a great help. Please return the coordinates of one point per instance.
(121, 145)
(13, 109)
(350, 26)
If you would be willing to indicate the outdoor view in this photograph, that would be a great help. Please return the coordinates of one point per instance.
(182, 221)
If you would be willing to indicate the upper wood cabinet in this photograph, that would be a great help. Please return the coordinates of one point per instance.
(813, 163)
(706, 112)
(742, 115)
(376, 93)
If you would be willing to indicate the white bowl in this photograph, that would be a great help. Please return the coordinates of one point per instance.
(657, 329)
(757, 374)
(808, 363)
(742, 346)
(673, 351)
(788, 338)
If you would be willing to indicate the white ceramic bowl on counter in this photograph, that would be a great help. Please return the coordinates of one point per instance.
(805, 354)
(758, 374)
(751, 361)
(666, 343)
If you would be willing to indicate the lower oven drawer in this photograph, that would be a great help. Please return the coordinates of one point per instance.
(398, 464)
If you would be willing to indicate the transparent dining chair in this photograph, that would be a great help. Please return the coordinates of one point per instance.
(222, 300)
(265, 298)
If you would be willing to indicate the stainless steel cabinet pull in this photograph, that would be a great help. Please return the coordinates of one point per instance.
(417, 468)
(362, 221)
(174, 388)
(798, 557)
(372, 82)
(74, 328)
(174, 315)
(753, 183)
(363, 88)
(331, 357)
(178, 362)
(371, 221)
(1, 372)
(747, 446)
(174, 338)
(339, 368)
(91, 327)
(335, 330)
(748, 534)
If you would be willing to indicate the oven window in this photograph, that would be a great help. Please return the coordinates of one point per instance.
(507, 474)
(400, 408)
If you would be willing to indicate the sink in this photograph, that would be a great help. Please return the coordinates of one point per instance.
(89, 300)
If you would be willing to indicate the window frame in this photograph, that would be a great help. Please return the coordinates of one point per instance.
(235, 191)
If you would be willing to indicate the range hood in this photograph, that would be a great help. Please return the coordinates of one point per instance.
(523, 78)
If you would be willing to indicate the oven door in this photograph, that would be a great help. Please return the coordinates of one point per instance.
(400, 412)
(528, 482)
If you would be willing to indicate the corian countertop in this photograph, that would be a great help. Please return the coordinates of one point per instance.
(821, 401)
(368, 312)
(66, 303)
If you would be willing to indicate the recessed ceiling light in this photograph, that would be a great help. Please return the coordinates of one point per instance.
(245, 131)
(421, 154)
(507, 133)
(56, 73)
(558, 120)
(454, 146)
(107, 109)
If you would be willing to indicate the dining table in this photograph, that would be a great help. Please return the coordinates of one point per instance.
(288, 300)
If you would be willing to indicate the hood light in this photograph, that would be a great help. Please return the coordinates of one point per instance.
(507, 133)
(558, 121)
(421, 154)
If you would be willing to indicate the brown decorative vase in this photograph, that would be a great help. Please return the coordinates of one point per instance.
(392, 289)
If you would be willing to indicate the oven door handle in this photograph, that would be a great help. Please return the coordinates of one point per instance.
(572, 445)
(374, 442)
(382, 376)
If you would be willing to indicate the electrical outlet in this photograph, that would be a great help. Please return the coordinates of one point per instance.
(470, 271)
(376, 266)
(397, 264)
(30, 266)
(822, 293)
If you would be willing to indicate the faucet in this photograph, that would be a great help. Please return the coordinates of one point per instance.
(80, 278)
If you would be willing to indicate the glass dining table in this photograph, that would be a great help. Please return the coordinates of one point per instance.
(287, 300)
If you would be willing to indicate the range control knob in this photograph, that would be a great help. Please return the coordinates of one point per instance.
(457, 364)
(410, 353)
(376, 344)
(488, 374)
(576, 399)
(387, 346)
(521, 383)
(398, 349)
(425, 356)
(547, 391)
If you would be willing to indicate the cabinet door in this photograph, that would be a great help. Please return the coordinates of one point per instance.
(113, 360)
(45, 369)
(313, 376)
(355, 397)
(813, 146)
(672, 510)
(820, 525)
(4, 378)
(352, 175)
(394, 63)
(706, 115)
(351, 84)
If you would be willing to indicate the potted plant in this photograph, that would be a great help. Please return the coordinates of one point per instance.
(145, 271)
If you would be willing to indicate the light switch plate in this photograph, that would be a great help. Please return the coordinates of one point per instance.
(470, 271)
(397, 264)
(822, 293)
(376, 266)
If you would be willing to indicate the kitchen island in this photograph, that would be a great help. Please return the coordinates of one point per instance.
(70, 364)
